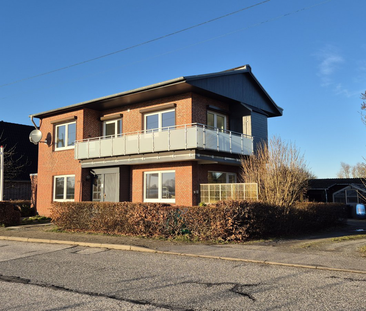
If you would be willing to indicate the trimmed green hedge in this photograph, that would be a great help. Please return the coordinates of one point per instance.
(224, 221)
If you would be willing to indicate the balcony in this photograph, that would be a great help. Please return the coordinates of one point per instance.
(180, 137)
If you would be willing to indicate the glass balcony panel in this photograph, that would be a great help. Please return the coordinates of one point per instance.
(177, 138)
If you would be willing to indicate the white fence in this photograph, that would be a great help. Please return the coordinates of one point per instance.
(211, 193)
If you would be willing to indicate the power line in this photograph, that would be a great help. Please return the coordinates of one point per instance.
(136, 45)
(182, 48)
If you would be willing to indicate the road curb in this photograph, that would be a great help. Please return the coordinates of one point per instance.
(148, 250)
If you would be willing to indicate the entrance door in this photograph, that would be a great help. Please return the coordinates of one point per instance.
(106, 185)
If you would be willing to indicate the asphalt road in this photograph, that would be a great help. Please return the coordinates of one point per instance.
(61, 277)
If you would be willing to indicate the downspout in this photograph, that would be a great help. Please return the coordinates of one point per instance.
(326, 195)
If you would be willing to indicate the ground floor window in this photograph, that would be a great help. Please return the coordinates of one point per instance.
(159, 186)
(221, 178)
(64, 188)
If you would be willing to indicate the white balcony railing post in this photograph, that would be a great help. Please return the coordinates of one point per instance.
(152, 141)
(241, 144)
(168, 138)
(138, 143)
(88, 148)
(204, 137)
(185, 135)
(231, 151)
(217, 139)
(125, 141)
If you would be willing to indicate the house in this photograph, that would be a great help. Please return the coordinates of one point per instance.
(24, 157)
(350, 191)
(154, 144)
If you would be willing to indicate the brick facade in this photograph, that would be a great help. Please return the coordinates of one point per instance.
(234, 93)
(189, 108)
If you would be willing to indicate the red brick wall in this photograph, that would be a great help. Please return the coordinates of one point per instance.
(53, 163)
(190, 108)
(199, 108)
(133, 119)
(183, 181)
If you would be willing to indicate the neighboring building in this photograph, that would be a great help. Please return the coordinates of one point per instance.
(156, 143)
(350, 191)
(14, 138)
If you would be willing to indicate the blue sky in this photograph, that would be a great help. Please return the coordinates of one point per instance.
(310, 56)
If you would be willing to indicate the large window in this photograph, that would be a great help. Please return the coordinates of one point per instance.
(159, 186)
(221, 178)
(216, 120)
(65, 135)
(64, 188)
(112, 128)
(159, 120)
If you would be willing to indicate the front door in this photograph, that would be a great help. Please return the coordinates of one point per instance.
(106, 185)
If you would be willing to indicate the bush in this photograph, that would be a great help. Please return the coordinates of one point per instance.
(9, 214)
(24, 206)
(223, 221)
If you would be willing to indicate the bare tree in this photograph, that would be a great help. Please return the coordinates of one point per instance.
(279, 170)
(13, 162)
(345, 171)
(349, 171)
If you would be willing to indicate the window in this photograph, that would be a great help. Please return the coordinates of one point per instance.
(64, 188)
(112, 127)
(65, 135)
(216, 120)
(221, 178)
(159, 186)
(159, 120)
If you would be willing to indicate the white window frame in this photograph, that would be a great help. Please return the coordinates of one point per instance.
(115, 121)
(215, 114)
(65, 188)
(159, 199)
(66, 125)
(227, 175)
(160, 119)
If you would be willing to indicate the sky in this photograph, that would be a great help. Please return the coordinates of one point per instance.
(309, 55)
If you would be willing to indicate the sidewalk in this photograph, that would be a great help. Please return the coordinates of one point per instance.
(313, 252)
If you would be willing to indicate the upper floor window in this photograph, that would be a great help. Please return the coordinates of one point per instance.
(65, 135)
(221, 178)
(216, 120)
(64, 188)
(112, 127)
(159, 120)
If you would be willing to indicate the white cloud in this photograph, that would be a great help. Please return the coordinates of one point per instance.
(329, 61)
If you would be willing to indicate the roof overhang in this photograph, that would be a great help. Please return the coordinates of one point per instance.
(151, 92)
(159, 90)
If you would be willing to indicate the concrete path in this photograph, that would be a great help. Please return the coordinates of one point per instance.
(337, 249)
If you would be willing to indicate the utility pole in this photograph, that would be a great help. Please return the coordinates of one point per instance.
(1, 173)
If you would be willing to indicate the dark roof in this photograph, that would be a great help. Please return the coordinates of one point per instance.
(12, 134)
(330, 182)
(164, 89)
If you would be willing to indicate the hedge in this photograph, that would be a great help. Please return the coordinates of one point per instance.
(223, 221)
(9, 214)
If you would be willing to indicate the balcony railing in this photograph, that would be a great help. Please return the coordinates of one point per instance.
(180, 137)
(211, 193)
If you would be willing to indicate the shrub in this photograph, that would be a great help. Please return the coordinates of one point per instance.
(24, 206)
(223, 221)
(9, 214)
